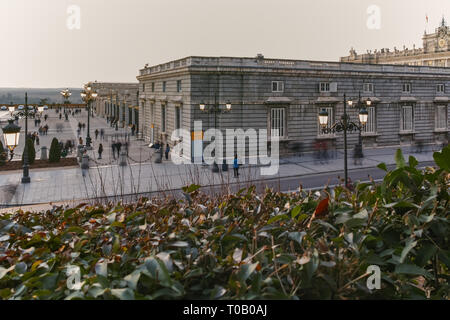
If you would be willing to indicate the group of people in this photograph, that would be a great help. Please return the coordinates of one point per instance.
(158, 148)
(81, 126)
(116, 146)
(101, 132)
(43, 130)
(34, 137)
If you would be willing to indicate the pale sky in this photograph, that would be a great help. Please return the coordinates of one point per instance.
(118, 37)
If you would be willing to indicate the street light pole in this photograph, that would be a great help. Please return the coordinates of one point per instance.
(345, 120)
(344, 125)
(26, 169)
(215, 108)
(88, 138)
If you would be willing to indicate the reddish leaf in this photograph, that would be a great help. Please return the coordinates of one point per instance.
(322, 208)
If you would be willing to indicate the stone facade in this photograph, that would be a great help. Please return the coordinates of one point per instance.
(118, 101)
(435, 52)
(409, 103)
(247, 84)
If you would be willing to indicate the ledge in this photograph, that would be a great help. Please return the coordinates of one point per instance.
(327, 137)
(407, 99)
(441, 130)
(325, 100)
(441, 100)
(278, 100)
(368, 135)
(406, 133)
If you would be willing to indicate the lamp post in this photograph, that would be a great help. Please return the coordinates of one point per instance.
(66, 95)
(344, 125)
(11, 110)
(88, 95)
(215, 109)
(11, 134)
(26, 167)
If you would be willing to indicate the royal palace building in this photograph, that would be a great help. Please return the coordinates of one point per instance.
(117, 102)
(435, 52)
(409, 103)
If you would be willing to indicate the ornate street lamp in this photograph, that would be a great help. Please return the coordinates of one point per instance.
(11, 110)
(11, 134)
(215, 109)
(88, 95)
(344, 125)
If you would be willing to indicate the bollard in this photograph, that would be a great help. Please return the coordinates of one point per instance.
(85, 162)
(44, 155)
(123, 159)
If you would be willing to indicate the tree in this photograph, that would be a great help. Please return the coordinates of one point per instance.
(55, 151)
(30, 151)
(3, 154)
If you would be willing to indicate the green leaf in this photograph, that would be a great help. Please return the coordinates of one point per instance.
(192, 188)
(101, 268)
(410, 243)
(413, 162)
(278, 218)
(297, 236)
(442, 158)
(412, 269)
(399, 159)
(296, 211)
(425, 253)
(382, 166)
(246, 271)
(123, 294)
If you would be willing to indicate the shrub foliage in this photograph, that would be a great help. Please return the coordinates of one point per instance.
(3, 154)
(241, 246)
(55, 151)
(30, 151)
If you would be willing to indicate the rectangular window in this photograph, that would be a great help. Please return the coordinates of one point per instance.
(368, 87)
(371, 126)
(330, 111)
(177, 117)
(407, 119)
(440, 88)
(407, 88)
(277, 118)
(143, 87)
(277, 86)
(163, 118)
(179, 86)
(164, 86)
(153, 87)
(324, 87)
(441, 117)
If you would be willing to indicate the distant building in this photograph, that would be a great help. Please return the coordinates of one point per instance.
(118, 101)
(435, 52)
(409, 103)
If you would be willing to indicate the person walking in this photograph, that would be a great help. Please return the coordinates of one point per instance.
(167, 151)
(118, 147)
(113, 147)
(236, 166)
(96, 134)
(80, 141)
(102, 134)
(100, 151)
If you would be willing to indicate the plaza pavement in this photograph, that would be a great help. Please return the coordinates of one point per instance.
(141, 175)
